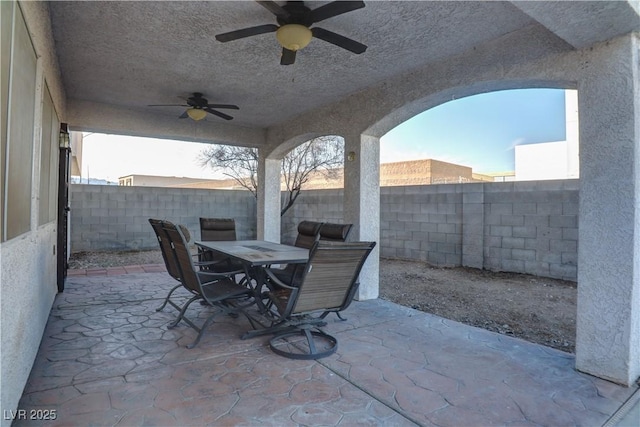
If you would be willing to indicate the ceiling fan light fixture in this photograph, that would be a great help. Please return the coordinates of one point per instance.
(196, 113)
(293, 36)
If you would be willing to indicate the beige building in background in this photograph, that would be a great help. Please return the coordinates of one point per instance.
(414, 172)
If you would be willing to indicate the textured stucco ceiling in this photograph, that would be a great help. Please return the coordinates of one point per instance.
(131, 54)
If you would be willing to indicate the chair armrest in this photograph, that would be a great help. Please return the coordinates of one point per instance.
(211, 276)
(273, 279)
(207, 263)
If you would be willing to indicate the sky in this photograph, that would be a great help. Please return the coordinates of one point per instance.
(479, 131)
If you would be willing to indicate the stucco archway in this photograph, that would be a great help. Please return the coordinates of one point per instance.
(608, 341)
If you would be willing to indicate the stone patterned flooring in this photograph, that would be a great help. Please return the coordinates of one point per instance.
(107, 358)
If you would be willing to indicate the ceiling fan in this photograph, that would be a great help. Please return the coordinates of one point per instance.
(294, 32)
(199, 107)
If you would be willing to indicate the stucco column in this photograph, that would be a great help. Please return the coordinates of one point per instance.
(608, 321)
(268, 215)
(362, 204)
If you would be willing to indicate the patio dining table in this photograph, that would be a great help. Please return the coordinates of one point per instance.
(255, 255)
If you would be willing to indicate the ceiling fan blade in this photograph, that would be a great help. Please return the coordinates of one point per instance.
(167, 105)
(183, 115)
(338, 40)
(218, 113)
(288, 57)
(335, 8)
(227, 106)
(274, 8)
(246, 32)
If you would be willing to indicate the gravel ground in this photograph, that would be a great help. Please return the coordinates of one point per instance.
(533, 308)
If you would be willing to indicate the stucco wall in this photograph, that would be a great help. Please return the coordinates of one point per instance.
(27, 294)
(526, 227)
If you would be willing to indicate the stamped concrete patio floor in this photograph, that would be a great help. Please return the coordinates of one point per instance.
(107, 358)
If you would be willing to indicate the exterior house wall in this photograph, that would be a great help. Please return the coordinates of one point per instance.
(528, 227)
(32, 103)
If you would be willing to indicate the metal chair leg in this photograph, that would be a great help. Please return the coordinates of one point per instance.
(166, 300)
(184, 309)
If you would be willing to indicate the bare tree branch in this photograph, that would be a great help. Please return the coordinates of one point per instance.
(322, 155)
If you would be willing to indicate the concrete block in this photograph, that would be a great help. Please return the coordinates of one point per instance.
(513, 242)
(472, 197)
(513, 265)
(493, 264)
(563, 221)
(569, 258)
(551, 233)
(446, 208)
(436, 258)
(427, 246)
(493, 241)
(473, 261)
(536, 268)
(454, 218)
(523, 208)
(565, 272)
(419, 236)
(473, 208)
(493, 219)
(412, 244)
(560, 246)
(570, 208)
(446, 228)
(452, 260)
(438, 218)
(512, 220)
(429, 226)
(420, 217)
(549, 257)
(549, 209)
(537, 220)
(471, 240)
(570, 234)
(500, 230)
(437, 237)
(527, 231)
(501, 208)
(523, 254)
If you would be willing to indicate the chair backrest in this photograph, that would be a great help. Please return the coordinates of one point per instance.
(308, 234)
(165, 247)
(330, 277)
(182, 256)
(217, 229)
(335, 232)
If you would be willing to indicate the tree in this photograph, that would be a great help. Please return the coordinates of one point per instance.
(323, 155)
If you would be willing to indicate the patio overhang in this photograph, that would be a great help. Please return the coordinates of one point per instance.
(104, 63)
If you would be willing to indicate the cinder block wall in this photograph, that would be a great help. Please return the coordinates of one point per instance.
(532, 227)
(116, 218)
(523, 227)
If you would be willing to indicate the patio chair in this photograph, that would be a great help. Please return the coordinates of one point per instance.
(217, 290)
(308, 234)
(328, 285)
(218, 229)
(167, 255)
(334, 232)
(330, 232)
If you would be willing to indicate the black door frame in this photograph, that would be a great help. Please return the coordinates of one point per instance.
(63, 206)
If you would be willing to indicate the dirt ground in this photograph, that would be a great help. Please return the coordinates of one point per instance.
(533, 308)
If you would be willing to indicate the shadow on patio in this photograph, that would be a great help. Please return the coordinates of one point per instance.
(107, 358)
